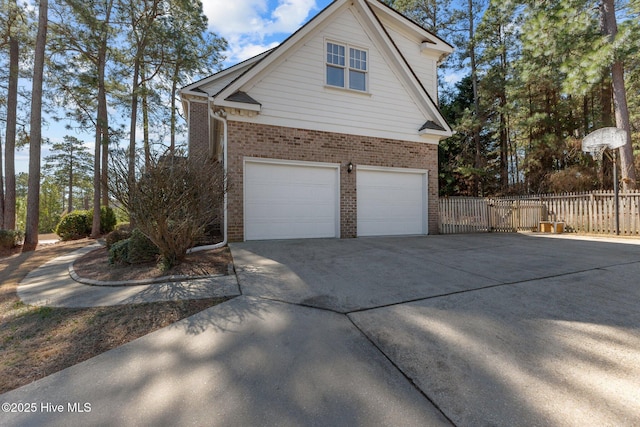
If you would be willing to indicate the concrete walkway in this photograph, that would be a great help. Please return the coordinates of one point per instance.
(51, 285)
(443, 330)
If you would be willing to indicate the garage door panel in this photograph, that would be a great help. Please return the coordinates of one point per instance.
(285, 201)
(391, 202)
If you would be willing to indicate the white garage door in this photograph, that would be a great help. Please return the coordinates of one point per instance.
(391, 201)
(290, 200)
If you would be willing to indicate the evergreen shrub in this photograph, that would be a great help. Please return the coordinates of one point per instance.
(10, 238)
(74, 225)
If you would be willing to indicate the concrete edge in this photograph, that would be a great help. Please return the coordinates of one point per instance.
(138, 282)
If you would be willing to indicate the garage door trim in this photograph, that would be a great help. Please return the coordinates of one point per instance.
(302, 163)
(425, 187)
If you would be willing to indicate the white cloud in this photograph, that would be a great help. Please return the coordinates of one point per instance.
(248, 50)
(236, 16)
(453, 77)
(289, 15)
(253, 26)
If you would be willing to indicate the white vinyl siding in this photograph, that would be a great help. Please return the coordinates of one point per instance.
(294, 94)
(217, 85)
(422, 64)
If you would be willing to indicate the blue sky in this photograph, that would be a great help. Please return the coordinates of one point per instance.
(250, 27)
(253, 26)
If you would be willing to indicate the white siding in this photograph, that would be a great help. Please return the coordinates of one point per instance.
(219, 84)
(294, 94)
(423, 65)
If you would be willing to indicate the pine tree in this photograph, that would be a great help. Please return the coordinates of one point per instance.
(70, 165)
(82, 35)
(35, 137)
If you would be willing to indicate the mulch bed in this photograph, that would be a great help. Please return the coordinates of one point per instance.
(95, 265)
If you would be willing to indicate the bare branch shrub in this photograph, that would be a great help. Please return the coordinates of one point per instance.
(172, 202)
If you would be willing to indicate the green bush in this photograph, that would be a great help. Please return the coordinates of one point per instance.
(141, 249)
(115, 236)
(136, 249)
(10, 238)
(107, 219)
(119, 252)
(75, 225)
(124, 226)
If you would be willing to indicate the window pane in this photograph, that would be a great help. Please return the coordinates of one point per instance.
(358, 59)
(335, 54)
(357, 80)
(335, 76)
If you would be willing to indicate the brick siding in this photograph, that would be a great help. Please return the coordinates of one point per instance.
(264, 141)
(198, 131)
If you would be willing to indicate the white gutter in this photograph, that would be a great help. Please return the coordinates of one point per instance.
(221, 116)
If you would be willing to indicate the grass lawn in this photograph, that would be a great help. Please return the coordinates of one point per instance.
(38, 341)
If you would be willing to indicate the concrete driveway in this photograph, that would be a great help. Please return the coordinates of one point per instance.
(500, 329)
(466, 330)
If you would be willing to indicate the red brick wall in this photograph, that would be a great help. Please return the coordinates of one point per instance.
(198, 131)
(256, 140)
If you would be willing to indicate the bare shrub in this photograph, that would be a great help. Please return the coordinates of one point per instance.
(173, 202)
(575, 178)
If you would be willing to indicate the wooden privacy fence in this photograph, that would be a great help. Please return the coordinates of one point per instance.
(582, 212)
(478, 215)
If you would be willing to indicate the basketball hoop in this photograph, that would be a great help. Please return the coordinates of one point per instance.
(595, 143)
(598, 141)
(596, 152)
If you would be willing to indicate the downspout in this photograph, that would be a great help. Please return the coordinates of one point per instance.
(220, 116)
(187, 115)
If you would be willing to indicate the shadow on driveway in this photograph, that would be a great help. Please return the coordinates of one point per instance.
(494, 329)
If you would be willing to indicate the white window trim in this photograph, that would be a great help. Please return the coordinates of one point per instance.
(347, 67)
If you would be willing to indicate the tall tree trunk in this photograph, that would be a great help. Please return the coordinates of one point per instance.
(70, 204)
(100, 149)
(504, 134)
(605, 172)
(610, 29)
(585, 115)
(606, 95)
(476, 100)
(103, 115)
(10, 137)
(35, 135)
(134, 119)
(174, 89)
(145, 119)
(1, 191)
(104, 119)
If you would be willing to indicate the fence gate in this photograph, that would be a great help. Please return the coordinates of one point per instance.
(476, 215)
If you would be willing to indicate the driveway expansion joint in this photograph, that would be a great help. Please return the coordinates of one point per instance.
(404, 374)
(481, 288)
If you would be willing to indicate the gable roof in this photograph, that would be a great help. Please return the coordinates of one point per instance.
(239, 75)
(234, 71)
(429, 39)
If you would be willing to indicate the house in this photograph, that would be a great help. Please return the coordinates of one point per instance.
(334, 133)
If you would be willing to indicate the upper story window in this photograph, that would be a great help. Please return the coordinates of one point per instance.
(351, 74)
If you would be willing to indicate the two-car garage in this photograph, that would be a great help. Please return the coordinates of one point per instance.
(295, 199)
